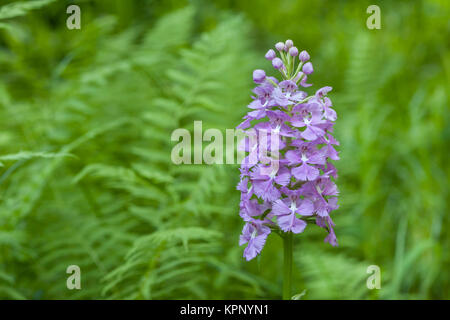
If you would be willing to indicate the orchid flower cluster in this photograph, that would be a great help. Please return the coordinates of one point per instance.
(286, 178)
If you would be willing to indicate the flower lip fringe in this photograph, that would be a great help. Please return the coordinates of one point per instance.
(287, 179)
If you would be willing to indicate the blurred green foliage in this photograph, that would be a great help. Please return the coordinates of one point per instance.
(85, 172)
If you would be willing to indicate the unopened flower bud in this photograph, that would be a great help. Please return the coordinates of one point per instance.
(308, 68)
(270, 55)
(304, 56)
(279, 46)
(288, 44)
(293, 51)
(259, 76)
(277, 63)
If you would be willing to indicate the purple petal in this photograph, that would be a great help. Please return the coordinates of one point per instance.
(283, 177)
(298, 226)
(293, 157)
(323, 91)
(306, 208)
(330, 114)
(305, 172)
(331, 239)
(266, 190)
(280, 208)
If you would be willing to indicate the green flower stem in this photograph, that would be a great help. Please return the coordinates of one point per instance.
(299, 67)
(287, 268)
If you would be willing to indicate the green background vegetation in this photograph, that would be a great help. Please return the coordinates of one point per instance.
(86, 117)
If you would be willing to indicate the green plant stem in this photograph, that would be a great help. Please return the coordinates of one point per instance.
(287, 267)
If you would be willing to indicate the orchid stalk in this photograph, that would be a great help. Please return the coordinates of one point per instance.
(286, 177)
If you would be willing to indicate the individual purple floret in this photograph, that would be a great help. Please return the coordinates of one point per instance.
(287, 177)
(255, 234)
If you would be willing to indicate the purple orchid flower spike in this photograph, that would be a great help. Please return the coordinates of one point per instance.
(287, 177)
